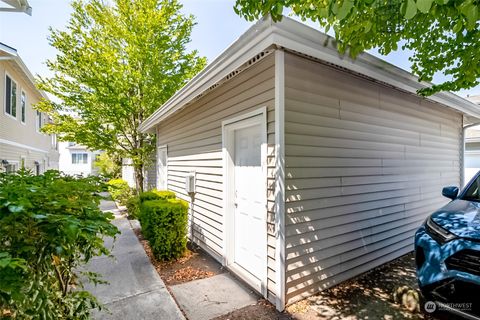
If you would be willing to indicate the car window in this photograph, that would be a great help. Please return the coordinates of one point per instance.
(472, 193)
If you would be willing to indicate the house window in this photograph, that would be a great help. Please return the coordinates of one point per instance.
(10, 97)
(39, 120)
(79, 158)
(23, 105)
(54, 141)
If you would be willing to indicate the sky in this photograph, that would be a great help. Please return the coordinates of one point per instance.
(217, 27)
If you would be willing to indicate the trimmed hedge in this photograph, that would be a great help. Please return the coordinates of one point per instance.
(156, 195)
(119, 190)
(134, 202)
(164, 225)
(133, 207)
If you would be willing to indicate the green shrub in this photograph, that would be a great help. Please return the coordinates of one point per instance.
(133, 207)
(164, 225)
(157, 195)
(119, 190)
(49, 226)
(133, 203)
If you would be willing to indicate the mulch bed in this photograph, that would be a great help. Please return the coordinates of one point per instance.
(194, 265)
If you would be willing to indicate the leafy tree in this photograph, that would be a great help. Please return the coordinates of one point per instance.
(117, 62)
(50, 225)
(444, 35)
(108, 166)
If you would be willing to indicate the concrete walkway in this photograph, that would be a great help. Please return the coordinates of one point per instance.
(135, 290)
(212, 297)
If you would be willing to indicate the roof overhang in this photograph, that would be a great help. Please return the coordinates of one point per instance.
(297, 37)
(8, 53)
(16, 6)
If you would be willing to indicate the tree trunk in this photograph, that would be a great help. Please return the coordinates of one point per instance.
(138, 178)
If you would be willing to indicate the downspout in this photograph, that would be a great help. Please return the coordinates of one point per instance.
(462, 156)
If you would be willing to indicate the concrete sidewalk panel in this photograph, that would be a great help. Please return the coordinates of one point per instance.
(212, 297)
(152, 305)
(127, 275)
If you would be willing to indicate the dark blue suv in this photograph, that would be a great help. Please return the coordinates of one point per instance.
(447, 251)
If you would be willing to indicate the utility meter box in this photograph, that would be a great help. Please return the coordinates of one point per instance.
(190, 181)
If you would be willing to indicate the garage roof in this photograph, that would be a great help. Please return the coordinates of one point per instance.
(295, 36)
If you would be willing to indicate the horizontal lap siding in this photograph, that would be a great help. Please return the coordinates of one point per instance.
(194, 140)
(364, 166)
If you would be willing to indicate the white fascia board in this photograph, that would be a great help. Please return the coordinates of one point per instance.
(295, 36)
(13, 56)
(255, 40)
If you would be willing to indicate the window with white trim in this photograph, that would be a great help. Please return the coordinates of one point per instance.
(79, 158)
(39, 121)
(23, 106)
(10, 97)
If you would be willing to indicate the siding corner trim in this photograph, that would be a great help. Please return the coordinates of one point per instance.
(280, 177)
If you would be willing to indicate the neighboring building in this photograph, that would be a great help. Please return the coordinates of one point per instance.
(472, 147)
(16, 6)
(76, 159)
(149, 174)
(21, 142)
(304, 168)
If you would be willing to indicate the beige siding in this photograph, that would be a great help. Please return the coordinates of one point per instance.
(194, 140)
(23, 139)
(364, 166)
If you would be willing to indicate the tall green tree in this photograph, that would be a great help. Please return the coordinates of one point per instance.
(117, 62)
(444, 35)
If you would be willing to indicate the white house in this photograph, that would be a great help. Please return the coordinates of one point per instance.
(76, 159)
(304, 168)
(22, 144)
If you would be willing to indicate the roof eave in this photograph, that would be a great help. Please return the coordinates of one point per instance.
(295, 36)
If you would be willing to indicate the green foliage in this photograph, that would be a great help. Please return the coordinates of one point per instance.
(116, 63)
(134, 202)
(108, 166)
(444, 35)
(119, 190)
(133, 207)
(164, 225)
(157, 195)
(49, 226)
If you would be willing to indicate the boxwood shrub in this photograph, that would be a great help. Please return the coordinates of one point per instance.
(120, 190)
(133, 203)
(133, 207)
(164, 225)
(157, 195)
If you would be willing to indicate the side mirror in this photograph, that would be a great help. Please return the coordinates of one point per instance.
(450, 192)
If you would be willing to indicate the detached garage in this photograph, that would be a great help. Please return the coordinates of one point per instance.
(304, 168)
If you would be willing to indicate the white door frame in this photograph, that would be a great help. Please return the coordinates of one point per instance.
(255, 117)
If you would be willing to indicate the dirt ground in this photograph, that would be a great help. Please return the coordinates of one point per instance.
(195, 265)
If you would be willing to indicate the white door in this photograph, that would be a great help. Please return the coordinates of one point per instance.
(249, 199)
(246, 198)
